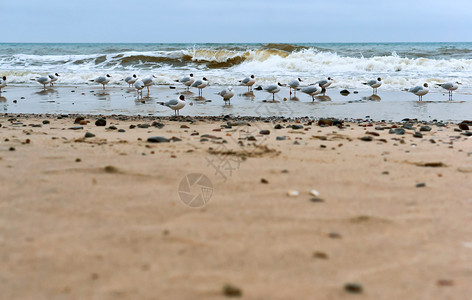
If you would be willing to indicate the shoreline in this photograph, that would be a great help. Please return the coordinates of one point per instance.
(389, 105)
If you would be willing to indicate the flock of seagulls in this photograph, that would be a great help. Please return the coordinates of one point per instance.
(312, 90)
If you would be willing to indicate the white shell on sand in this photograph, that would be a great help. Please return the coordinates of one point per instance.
(293, 193)
(315, 193)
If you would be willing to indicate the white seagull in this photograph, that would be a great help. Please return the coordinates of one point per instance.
(312, 90)
(249, 82)
(54, 77)
(148, 82)
(420, 91)
(227, 94)
(374, 84)
(324, 83)
(176, 104)
(200, 85)
(130, 80)
(294, 84)
(103, 80)
(3, 83)
(139, 86)
(187, 80)
(450, 86)
(43, 80)
(273, 89)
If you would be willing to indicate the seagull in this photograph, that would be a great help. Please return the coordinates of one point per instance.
(324, 83)
(175, 104)
(274, 88)
(3, 83)
(148, 82)
(312, 90)
(294, 84)
(54, 77)
(187, 80)
(102, 80)
(139, 86)
(227, 94)
(130, 80)
(419, 91)
(249, 82)
(200, 85)
(450, 86)
(43, 80)
(374, 84)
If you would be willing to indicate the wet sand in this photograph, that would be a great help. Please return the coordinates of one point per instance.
(101, 217)
(91, 99)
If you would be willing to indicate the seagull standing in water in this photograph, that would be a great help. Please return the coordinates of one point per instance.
(324, 83)
(249, 82)
(54, 77)
(227, 94)
(139, 86)
(103, 80)
(273, 89)
(450, 86)
(43, 80)
(420, 91)
(3, 83)
(374, 84)
(130, 80)
(148, 82)
(294, 84)
(200, 85)
(175, 104)
(187, 80)
(312, 90)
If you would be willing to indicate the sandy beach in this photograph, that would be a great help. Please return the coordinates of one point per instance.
(364, 209)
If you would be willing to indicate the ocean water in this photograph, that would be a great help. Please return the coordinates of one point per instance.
(400, 65)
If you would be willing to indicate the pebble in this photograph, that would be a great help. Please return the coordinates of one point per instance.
(334, 235)
(264, 132)
(373, 133)
(232, 291)
(281, 138)
(89, 135)
(278, 126)
(121, 130)
(320, 255)
(316, 199)
(366, 138)
(76, 128)
(315, 193)
(78, 119)
(263, 180)
(354, 288)
(158, 139)
(418, 134)
(463, 126)
(160, 125)
(101, 122)
(11, 149)
(132, 126)
(143, 125)
(293, 193)
(112, 127)
(78, 160)
(397, 131)
(425, 128)
(46, 122)
(344, 92)
(297, 127)
(420, 185)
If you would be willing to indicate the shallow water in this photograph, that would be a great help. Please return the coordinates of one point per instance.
(388, 105)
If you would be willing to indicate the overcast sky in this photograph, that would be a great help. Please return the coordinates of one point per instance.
(238, 21)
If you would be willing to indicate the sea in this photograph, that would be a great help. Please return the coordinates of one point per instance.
(400, 65)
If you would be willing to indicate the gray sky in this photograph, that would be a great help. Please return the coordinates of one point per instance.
(197, 21)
